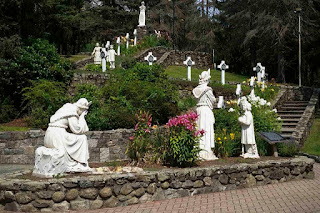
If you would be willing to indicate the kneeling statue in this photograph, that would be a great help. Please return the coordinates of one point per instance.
(64, 151)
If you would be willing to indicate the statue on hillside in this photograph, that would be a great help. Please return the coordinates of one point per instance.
(248, 141)
(96, 53)
(206, 120)
(112, 57)
(64, 151)
(142, 15)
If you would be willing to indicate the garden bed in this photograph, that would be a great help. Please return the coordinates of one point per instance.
(99, 191)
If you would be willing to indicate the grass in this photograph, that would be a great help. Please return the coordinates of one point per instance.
(181, 73)
(312, 145)
(75, 58)
(13, 128)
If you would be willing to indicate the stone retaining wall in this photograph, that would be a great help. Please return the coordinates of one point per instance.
(83, 62)
(100, 191)
(19, 147)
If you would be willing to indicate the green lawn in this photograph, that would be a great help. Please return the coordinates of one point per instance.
(12, 128)
(181, 72)
(312, 145)
(75, 58)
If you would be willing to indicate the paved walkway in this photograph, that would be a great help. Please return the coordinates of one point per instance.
(294, 196)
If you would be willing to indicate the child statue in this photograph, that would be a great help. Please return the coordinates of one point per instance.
(112, 57)
(96, 53)
(64, 151)
(206, 120)
(248, 141)
(142, 15)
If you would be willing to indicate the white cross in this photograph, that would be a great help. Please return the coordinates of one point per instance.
(150, 58)
(189, 63)
(135, 33)
(259, 69)
(127, 38)
(223, 66)
(118, 42)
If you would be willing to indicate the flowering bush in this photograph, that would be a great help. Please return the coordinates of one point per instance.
(182, 148)
(227, 145)
(139, 143)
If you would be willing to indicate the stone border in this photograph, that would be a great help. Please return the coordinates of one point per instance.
(314, 157)
(100, 191)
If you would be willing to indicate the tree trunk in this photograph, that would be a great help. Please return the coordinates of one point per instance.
(281, 73)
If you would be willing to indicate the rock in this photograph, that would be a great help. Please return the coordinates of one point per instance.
(46, 210)
(9, 196)
(57, 197)
(33, 186)
(122, 198)
(60, 207)
(309, 175)
(207, 181)
(126, 189)
(40, 203)
(158, 195)
(89, 193)
(24, 197)
(45, 194)
(286, 171)
(295, 171)
(111, 202)
(139, 192)
(224, 179)
(260, 177)
(55, 187)
(171, 193)
(135, 185)
(13, 206)
(133, 200)
(251, 181)
(152, 188)
(198, 184)
(28, 208)
(72, 194)
(145, 197)
(187, 185)
(163, 176)
(85, 184)
(176, 184)
(116, 189)
(79, 204)
(96, 204)
(165, 185)
(183, 192)
(70, 184)
(106, 192)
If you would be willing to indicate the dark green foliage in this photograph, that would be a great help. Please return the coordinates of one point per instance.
(288, 149)
(7, 111)
(44, 98)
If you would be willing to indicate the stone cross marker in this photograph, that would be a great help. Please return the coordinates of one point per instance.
(103, 55)
(188, 62)
(127, 38)
(223, 66)
(259, 69)
(150, 58)
(263, 76)
(118, 43)
(252, 85)
(135, 33)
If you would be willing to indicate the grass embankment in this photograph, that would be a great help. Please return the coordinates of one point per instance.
(13, 128)
(181, 73)
(312, 145)
(75, 58)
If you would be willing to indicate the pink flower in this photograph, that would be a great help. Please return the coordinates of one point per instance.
(136, 126)
(147, 131)
(131, 138)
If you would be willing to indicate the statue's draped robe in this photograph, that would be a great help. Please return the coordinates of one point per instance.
(247, 132)
(205, 120)
(142, 16)
(73, 145)
(96, 53)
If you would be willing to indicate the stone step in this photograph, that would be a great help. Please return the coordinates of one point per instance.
(283, 115)
(292, 108)
(287, 130)
(286, 124)
(291, 111)
(286, 135)
(290, 120)
(294, 105)
(290, 102)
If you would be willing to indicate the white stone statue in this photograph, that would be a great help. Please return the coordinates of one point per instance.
(206, 119)
(220, 102)
(142, 15)
(107, 49)
(112, 57)
(96, 53)
(103, 56)
(64, 151)
(248, 141)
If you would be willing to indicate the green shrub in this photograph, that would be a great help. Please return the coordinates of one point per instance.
(93, 68)
(7, 111)
(44, 98)
(288, 149)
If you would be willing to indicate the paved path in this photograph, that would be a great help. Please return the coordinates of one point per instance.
(9, 168)
(294, 196)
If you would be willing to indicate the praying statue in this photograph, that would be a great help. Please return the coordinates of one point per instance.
(205, 121)
(96, 53)
(112, 57)
(248, 141)
(142, 15)
(65, 145)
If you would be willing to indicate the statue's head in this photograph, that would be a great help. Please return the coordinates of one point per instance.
(111, 46)
(82, 105)
(97, 44)
(204, 77)
(142, 3)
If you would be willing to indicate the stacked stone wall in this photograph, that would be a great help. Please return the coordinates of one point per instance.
(101, 191)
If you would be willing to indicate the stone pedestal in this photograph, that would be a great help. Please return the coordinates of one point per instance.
(142, 32)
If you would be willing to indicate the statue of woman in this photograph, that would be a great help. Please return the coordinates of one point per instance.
(142, 15)
(65, 151)
(248, 141)
(206, 120)
(96, 53)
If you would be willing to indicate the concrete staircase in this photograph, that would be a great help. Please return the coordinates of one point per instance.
(290, 113)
